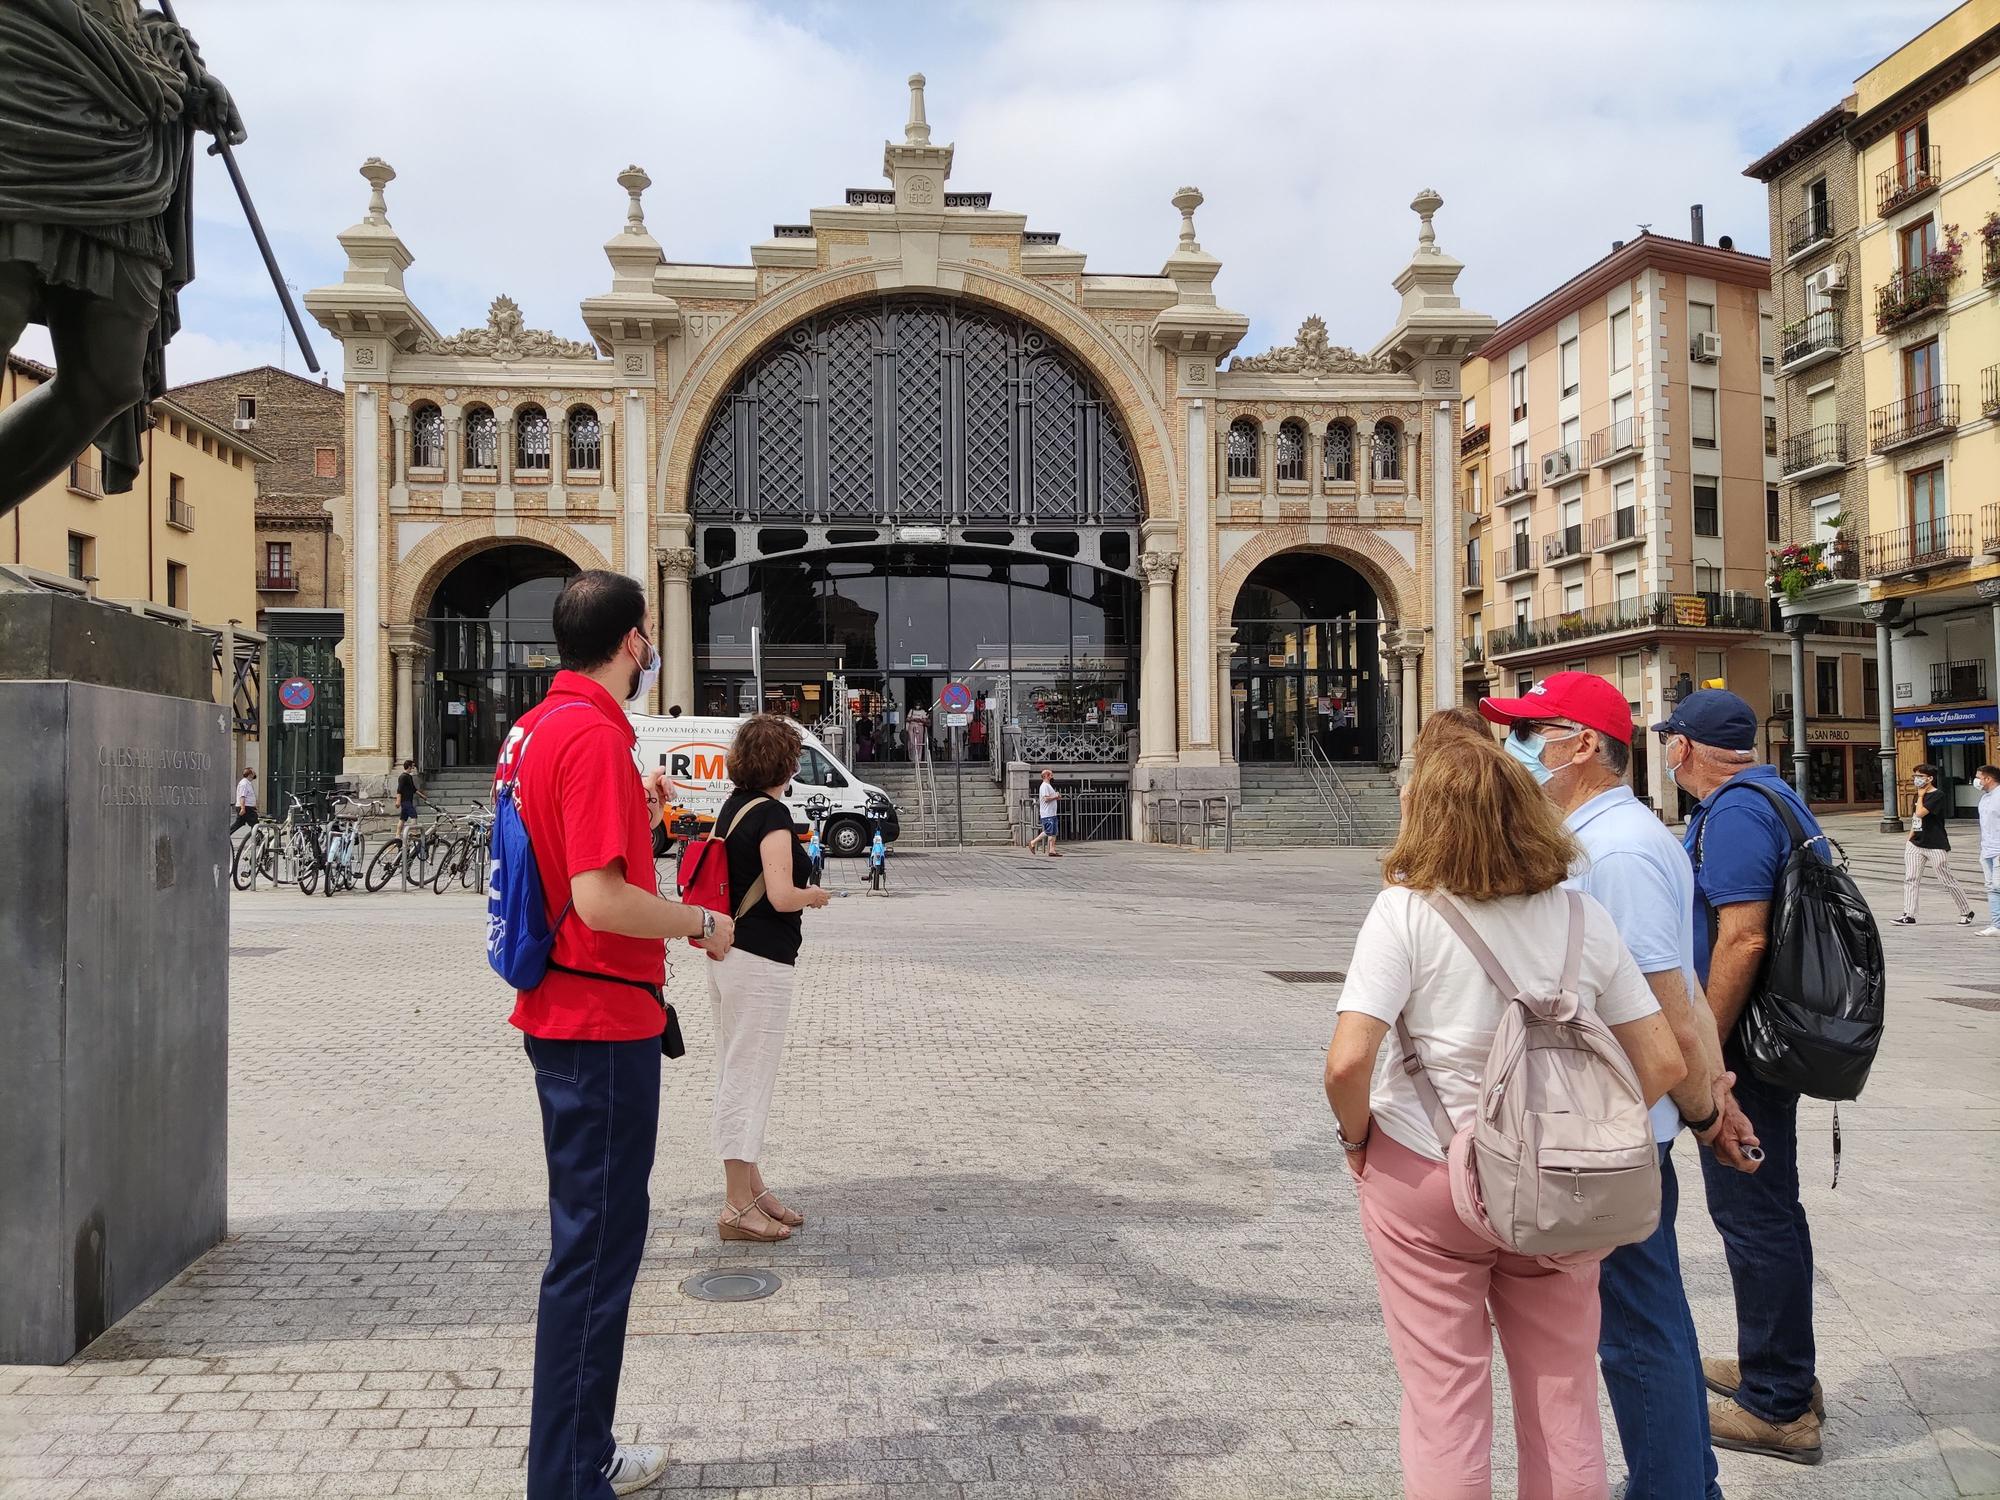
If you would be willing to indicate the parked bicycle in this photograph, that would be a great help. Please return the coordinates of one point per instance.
(465, 859)
(346, 843)
(283, 851)
(426, 843)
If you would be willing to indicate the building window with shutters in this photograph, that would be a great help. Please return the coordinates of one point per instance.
(326, 463)
(1707, 509)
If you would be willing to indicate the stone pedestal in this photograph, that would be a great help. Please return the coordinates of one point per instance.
(114, 920)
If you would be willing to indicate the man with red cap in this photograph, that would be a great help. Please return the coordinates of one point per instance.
(1573, 731)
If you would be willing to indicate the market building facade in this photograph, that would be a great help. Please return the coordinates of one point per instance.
(912, 445)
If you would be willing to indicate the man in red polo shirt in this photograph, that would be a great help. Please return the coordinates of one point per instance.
(593, 1025)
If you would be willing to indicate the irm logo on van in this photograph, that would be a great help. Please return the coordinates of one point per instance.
(695, 766)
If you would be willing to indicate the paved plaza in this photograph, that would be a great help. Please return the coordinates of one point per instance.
(1079, 1225)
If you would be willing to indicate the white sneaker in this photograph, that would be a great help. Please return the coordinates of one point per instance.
(1993, 931)
(634, 1466)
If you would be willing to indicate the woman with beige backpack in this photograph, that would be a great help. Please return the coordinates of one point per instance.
(1500, 1140)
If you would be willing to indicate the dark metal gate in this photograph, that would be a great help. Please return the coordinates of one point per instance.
(1089, 812)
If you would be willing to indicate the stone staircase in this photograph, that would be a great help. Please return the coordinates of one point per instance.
(1281, 808)
(985, 803)
(455, 788)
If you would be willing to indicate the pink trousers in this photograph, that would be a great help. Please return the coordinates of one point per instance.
(1438, 1282)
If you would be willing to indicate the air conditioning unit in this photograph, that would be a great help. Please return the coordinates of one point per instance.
(245, 424)
(1781, 703)
(1556, 465)
(1707, 348)
(1827, 280)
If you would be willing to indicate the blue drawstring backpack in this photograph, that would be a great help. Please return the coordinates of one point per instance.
(519, 938)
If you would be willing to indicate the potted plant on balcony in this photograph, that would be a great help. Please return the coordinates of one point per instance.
(1989, 235)
(1927, 284)
(1796, 567)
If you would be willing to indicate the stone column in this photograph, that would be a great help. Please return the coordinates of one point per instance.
(637, 540)
(399, 455)
(454, 460)
(1884, 616)
(1159, 739)
(364, 562)
(1796, 627)
(406, 700)
(1411, 703)
(1364, 463)
(1225, 735)
(503, 461)
(677, 624)
(558, 459)
(1201, 719)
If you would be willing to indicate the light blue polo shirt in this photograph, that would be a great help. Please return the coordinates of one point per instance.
(1638, 872)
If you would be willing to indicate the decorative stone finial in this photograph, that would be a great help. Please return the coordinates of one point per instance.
(379, 174)
(635, 181)
(1427, 203)
(1187, 200)
(918, 131)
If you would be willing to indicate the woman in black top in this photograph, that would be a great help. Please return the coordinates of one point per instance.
(1929, 848)
(750, 990)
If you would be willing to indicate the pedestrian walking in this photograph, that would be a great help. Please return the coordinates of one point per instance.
(1475, 828)
(246, 800)
(750, 991)
(1929, 848)
(918, 729)
(593, 1028)
(407, 797)
(1047, 800)
(1573, 731)
(1771, 1401)
(1988, 778)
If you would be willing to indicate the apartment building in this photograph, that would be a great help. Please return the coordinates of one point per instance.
(1629, 483)
(1476, 475)
(1889, 401)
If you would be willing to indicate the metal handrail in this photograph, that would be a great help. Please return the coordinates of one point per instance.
(1333, 792)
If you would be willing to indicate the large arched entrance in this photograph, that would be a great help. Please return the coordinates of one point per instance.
(493, 649)
(913, 492)
(1307, 664)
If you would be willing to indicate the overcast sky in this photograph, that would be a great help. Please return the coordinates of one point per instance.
(1551, 129)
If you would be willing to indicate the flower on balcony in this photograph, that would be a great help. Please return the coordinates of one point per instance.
(1796, 567)
(1942, 263)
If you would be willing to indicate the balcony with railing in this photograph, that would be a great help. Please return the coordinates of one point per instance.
(1912, 292)
(1813, 338)
(85, 480)
(1918, 547)
(1694, 613)
(1515, 559)
(1474, 438)
(1817, 450)
(1989, 527)
(278, 583)
(1917, 416)
(180, 515)
(1622, 439)
(1518, 481)
(1909, 179)
(1619, 529)
(1989, 391)
(1989, 265)
(1474, 570)
(1561, 546)
(1563, 463)
(1806, 230)
(1958, 681)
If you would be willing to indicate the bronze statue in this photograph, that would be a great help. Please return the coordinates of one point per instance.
(99, 102)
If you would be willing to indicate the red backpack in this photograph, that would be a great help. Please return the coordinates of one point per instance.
(702, 877)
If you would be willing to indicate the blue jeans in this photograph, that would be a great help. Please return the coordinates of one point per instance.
(1989, 865)
(1652, 1362)
(600, 1115)
(1769, 1246)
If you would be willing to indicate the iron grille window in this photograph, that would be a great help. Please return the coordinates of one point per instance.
(1773, 516)
(1292, 451)
(1388, 445)
(426, 438)
(917, 410)
(482, 439)
(531, 439)
(585, 438)
(1339, 456)
(1243, 449)
(1958, 681)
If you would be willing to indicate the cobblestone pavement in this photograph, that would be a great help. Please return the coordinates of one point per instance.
(1079, 1225)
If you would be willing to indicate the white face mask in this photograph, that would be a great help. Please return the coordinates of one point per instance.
(1673, 771)
(649, 673)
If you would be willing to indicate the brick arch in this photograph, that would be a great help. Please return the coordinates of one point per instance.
(1394, 581)
(419, 574)
(738, 344)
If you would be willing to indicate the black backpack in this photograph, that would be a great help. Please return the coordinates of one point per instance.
(1814, 1019)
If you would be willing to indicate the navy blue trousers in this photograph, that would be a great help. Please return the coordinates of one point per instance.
(600, 1118)
(1652, 1363)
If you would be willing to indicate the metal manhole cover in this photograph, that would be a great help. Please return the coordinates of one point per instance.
(1972, 1002)
(731, 1286)
(1307, 976)
(253, 952)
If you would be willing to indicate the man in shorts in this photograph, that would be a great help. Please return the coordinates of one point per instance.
(1047, 798)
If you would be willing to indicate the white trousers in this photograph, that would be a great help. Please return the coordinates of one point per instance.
(1938, 862)
(751, 1000)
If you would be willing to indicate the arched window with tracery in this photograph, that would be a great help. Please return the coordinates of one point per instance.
(1292, 451)
(1388, 452)
(586, 438)
(426, 436)
(1243, 449)
(482, 439)
(1338, 457)
(531, 440)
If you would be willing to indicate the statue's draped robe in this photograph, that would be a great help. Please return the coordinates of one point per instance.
(95, 147)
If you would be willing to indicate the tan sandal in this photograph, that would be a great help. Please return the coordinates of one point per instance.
(731, 1227)
(780, 1214)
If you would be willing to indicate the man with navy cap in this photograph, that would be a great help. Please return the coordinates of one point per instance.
(1771, 1401)
(1573, 731)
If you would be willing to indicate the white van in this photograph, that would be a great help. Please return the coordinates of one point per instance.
(695, 753)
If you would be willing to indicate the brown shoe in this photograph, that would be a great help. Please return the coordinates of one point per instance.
(1723, 1376)
(1730, 1426)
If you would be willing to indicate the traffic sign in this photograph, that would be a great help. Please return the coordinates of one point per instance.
(296, 692)
(959, 721)
(295, 716)
(956, 698)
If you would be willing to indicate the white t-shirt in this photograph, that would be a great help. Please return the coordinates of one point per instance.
(1408, 962)
(246, 793)
(1049, 796)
